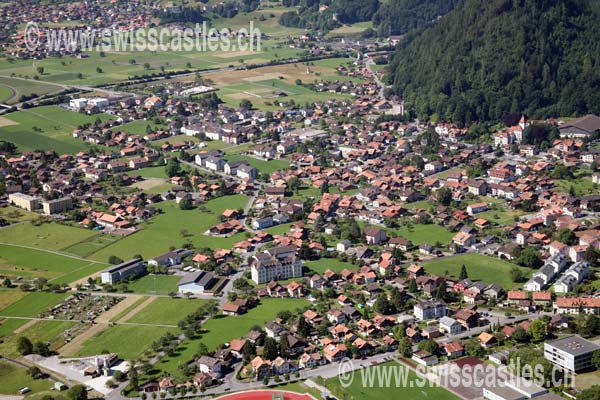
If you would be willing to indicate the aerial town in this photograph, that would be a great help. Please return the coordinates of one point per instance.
(262, 225)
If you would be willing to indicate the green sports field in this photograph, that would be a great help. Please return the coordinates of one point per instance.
(479, 267)
(413, 387)
(154, 284)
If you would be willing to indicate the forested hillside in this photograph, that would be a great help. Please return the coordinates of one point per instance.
(389, 17)
(487, 58)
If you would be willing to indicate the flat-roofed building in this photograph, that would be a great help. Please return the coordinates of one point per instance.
(57, 205)
(196, 282)
(24, 201)
(571, 353)
(123, 271)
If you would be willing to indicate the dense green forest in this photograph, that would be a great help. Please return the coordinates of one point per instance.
(488, 58)
(401, 16)
(389, 17)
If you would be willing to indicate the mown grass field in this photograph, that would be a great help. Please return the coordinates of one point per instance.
(14, 214)
(48, 236)
(91, 244)
(154, 284)
(167, 311)
(129, 341)
(12, 89)
(28, 263)
(319, 266)
(479, 267)
(415, 388)
(33, 304)
(46, 128)
(139, 127)
(150, 172)
(14, 378)
(5, 93)
(165, 230)
(222, 329)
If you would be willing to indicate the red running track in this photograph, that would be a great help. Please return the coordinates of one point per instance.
(266, 395)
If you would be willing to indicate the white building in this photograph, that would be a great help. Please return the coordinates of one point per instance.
(278, 263)
(571, 353)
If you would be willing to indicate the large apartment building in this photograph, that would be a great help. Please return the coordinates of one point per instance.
(57, 205)
(276, 264)
(425, 310)
(123, 271)
(24, 201)
(571, 353)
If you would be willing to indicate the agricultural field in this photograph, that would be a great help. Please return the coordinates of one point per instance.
(319, 266)
(154, 284)
(46, 128)
(166, 311)
(42, 331)
(33, 304)
(479, 267)
(29, 263)
(111, 67)
(91, 244)
(47, 236)
(11, 89)
(270, 25)
(14, 378)
(129, 341)
(170, 228)
(139, 127)
(221, 329)
(360, 390)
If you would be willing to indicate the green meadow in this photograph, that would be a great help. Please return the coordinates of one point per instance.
(168, 228)
(479, 267)
(46, 128)
(222, 329)
(167, 311)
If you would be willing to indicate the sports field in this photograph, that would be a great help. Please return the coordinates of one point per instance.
(479, 267)
(154, 284)
(46, 128)
(414, 387)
